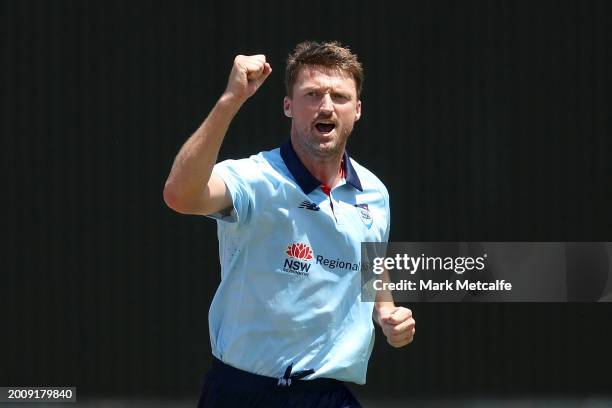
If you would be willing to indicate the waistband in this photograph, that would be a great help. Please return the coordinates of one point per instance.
(246, 380)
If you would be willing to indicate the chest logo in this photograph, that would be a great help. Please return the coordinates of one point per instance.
(298, 259)
(300, 251)
(309, 206)
(364, 214)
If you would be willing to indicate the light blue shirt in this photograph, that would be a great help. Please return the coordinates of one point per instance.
(290, 255)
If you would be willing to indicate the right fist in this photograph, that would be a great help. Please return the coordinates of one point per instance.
(248, 73)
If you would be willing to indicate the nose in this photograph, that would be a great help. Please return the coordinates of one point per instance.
(326, 106)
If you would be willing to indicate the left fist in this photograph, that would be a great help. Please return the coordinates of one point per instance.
(398, 326)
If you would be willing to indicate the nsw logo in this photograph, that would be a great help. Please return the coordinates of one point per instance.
(298, 259)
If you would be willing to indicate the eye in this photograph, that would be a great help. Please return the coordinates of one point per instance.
(341, 97)
(311, 93)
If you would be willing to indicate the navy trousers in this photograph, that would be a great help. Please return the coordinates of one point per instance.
(226, 386)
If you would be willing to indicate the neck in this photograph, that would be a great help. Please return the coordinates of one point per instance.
(326, 169)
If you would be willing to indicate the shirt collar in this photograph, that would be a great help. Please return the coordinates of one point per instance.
(305, 179)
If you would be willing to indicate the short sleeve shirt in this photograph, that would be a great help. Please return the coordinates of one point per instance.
(290, 288)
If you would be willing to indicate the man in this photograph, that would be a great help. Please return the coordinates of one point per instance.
(287, 324)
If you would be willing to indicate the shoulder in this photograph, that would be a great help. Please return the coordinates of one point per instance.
(260, 173)
(253, 167)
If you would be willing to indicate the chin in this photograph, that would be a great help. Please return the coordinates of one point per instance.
(321, 145)
(327, 148)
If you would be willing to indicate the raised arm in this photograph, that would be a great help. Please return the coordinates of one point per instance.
(191, 188)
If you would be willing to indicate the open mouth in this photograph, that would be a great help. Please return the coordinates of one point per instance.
(325, 127)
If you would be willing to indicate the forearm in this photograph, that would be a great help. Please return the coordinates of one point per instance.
(193, 164)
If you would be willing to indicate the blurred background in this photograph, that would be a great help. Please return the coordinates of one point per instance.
(487, 120)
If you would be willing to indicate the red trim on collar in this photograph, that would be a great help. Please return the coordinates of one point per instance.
(327, 189)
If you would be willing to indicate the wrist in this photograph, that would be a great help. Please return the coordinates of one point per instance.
(231, 102)
(383, 309)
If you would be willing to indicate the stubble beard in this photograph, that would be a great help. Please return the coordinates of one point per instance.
(329, 150)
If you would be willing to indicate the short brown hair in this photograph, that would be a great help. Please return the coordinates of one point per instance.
(327, 54)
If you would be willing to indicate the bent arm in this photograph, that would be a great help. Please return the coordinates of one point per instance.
(190, 189)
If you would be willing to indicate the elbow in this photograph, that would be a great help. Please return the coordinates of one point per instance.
(173, 200)
(183, 202)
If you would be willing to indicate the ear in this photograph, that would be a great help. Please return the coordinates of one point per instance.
(358, 110)
(287, 106)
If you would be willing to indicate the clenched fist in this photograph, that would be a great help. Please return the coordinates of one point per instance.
(398, 325)
(248, 73)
